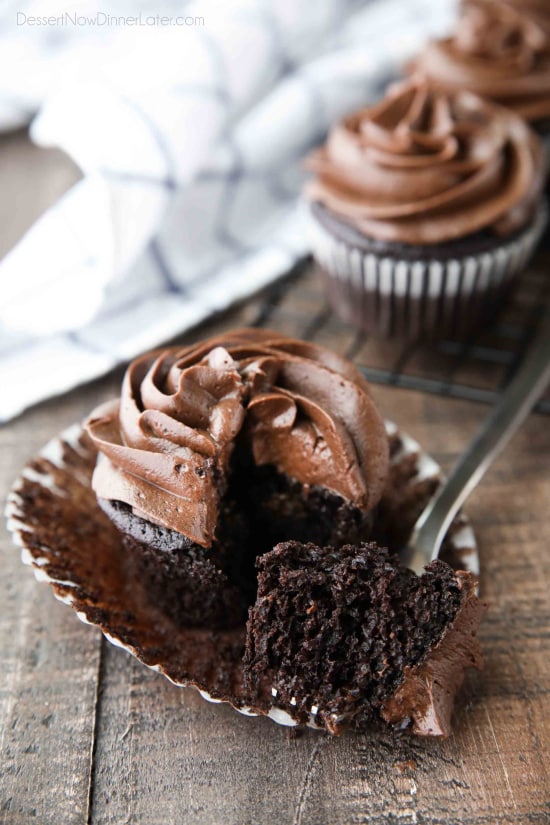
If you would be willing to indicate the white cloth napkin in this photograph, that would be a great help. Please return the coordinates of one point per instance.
(190, 133)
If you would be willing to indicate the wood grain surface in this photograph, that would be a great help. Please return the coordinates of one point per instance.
(89, 735)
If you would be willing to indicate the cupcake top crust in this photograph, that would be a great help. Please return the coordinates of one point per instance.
(426, 166)
(165, 445)
(499, 50)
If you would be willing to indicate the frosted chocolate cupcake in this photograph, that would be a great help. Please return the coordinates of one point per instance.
(217, 451)
(211, 454)
(500, 51)
(539, 10)
(424, 208)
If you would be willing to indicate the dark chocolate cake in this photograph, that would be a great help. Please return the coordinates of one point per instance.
(192, 587)
(278, 508)
(340, 638)
(196, 587)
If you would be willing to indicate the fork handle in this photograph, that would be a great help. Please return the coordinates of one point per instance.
(514, 405)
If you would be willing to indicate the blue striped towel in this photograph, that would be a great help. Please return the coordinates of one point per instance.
(189, 125)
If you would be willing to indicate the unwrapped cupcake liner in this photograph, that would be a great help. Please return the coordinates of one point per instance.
(70, 544)
(389, 296)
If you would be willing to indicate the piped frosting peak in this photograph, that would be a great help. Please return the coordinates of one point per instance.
(425, 166)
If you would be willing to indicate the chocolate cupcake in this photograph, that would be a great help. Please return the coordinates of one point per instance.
(539, 10)
(500, 51)
(424, 208)
(217, 451)
(214, 452)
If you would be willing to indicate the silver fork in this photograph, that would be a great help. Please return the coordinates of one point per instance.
(514, 405)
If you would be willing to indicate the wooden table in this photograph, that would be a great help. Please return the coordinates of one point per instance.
(89, 735)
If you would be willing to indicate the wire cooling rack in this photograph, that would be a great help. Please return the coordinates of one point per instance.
(476, 370)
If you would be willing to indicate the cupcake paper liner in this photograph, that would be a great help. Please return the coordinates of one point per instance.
(393, 297)
(71, 544)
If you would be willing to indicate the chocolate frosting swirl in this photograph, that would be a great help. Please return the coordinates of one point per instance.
(165, 445)
(423, 167)
(498, 51)
(539, 10)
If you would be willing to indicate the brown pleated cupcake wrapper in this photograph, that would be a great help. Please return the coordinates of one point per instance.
(71, 544)
(408, 298)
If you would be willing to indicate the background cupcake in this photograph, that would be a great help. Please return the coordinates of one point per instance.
(499, 50)
(538, 9)
(424, 206)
